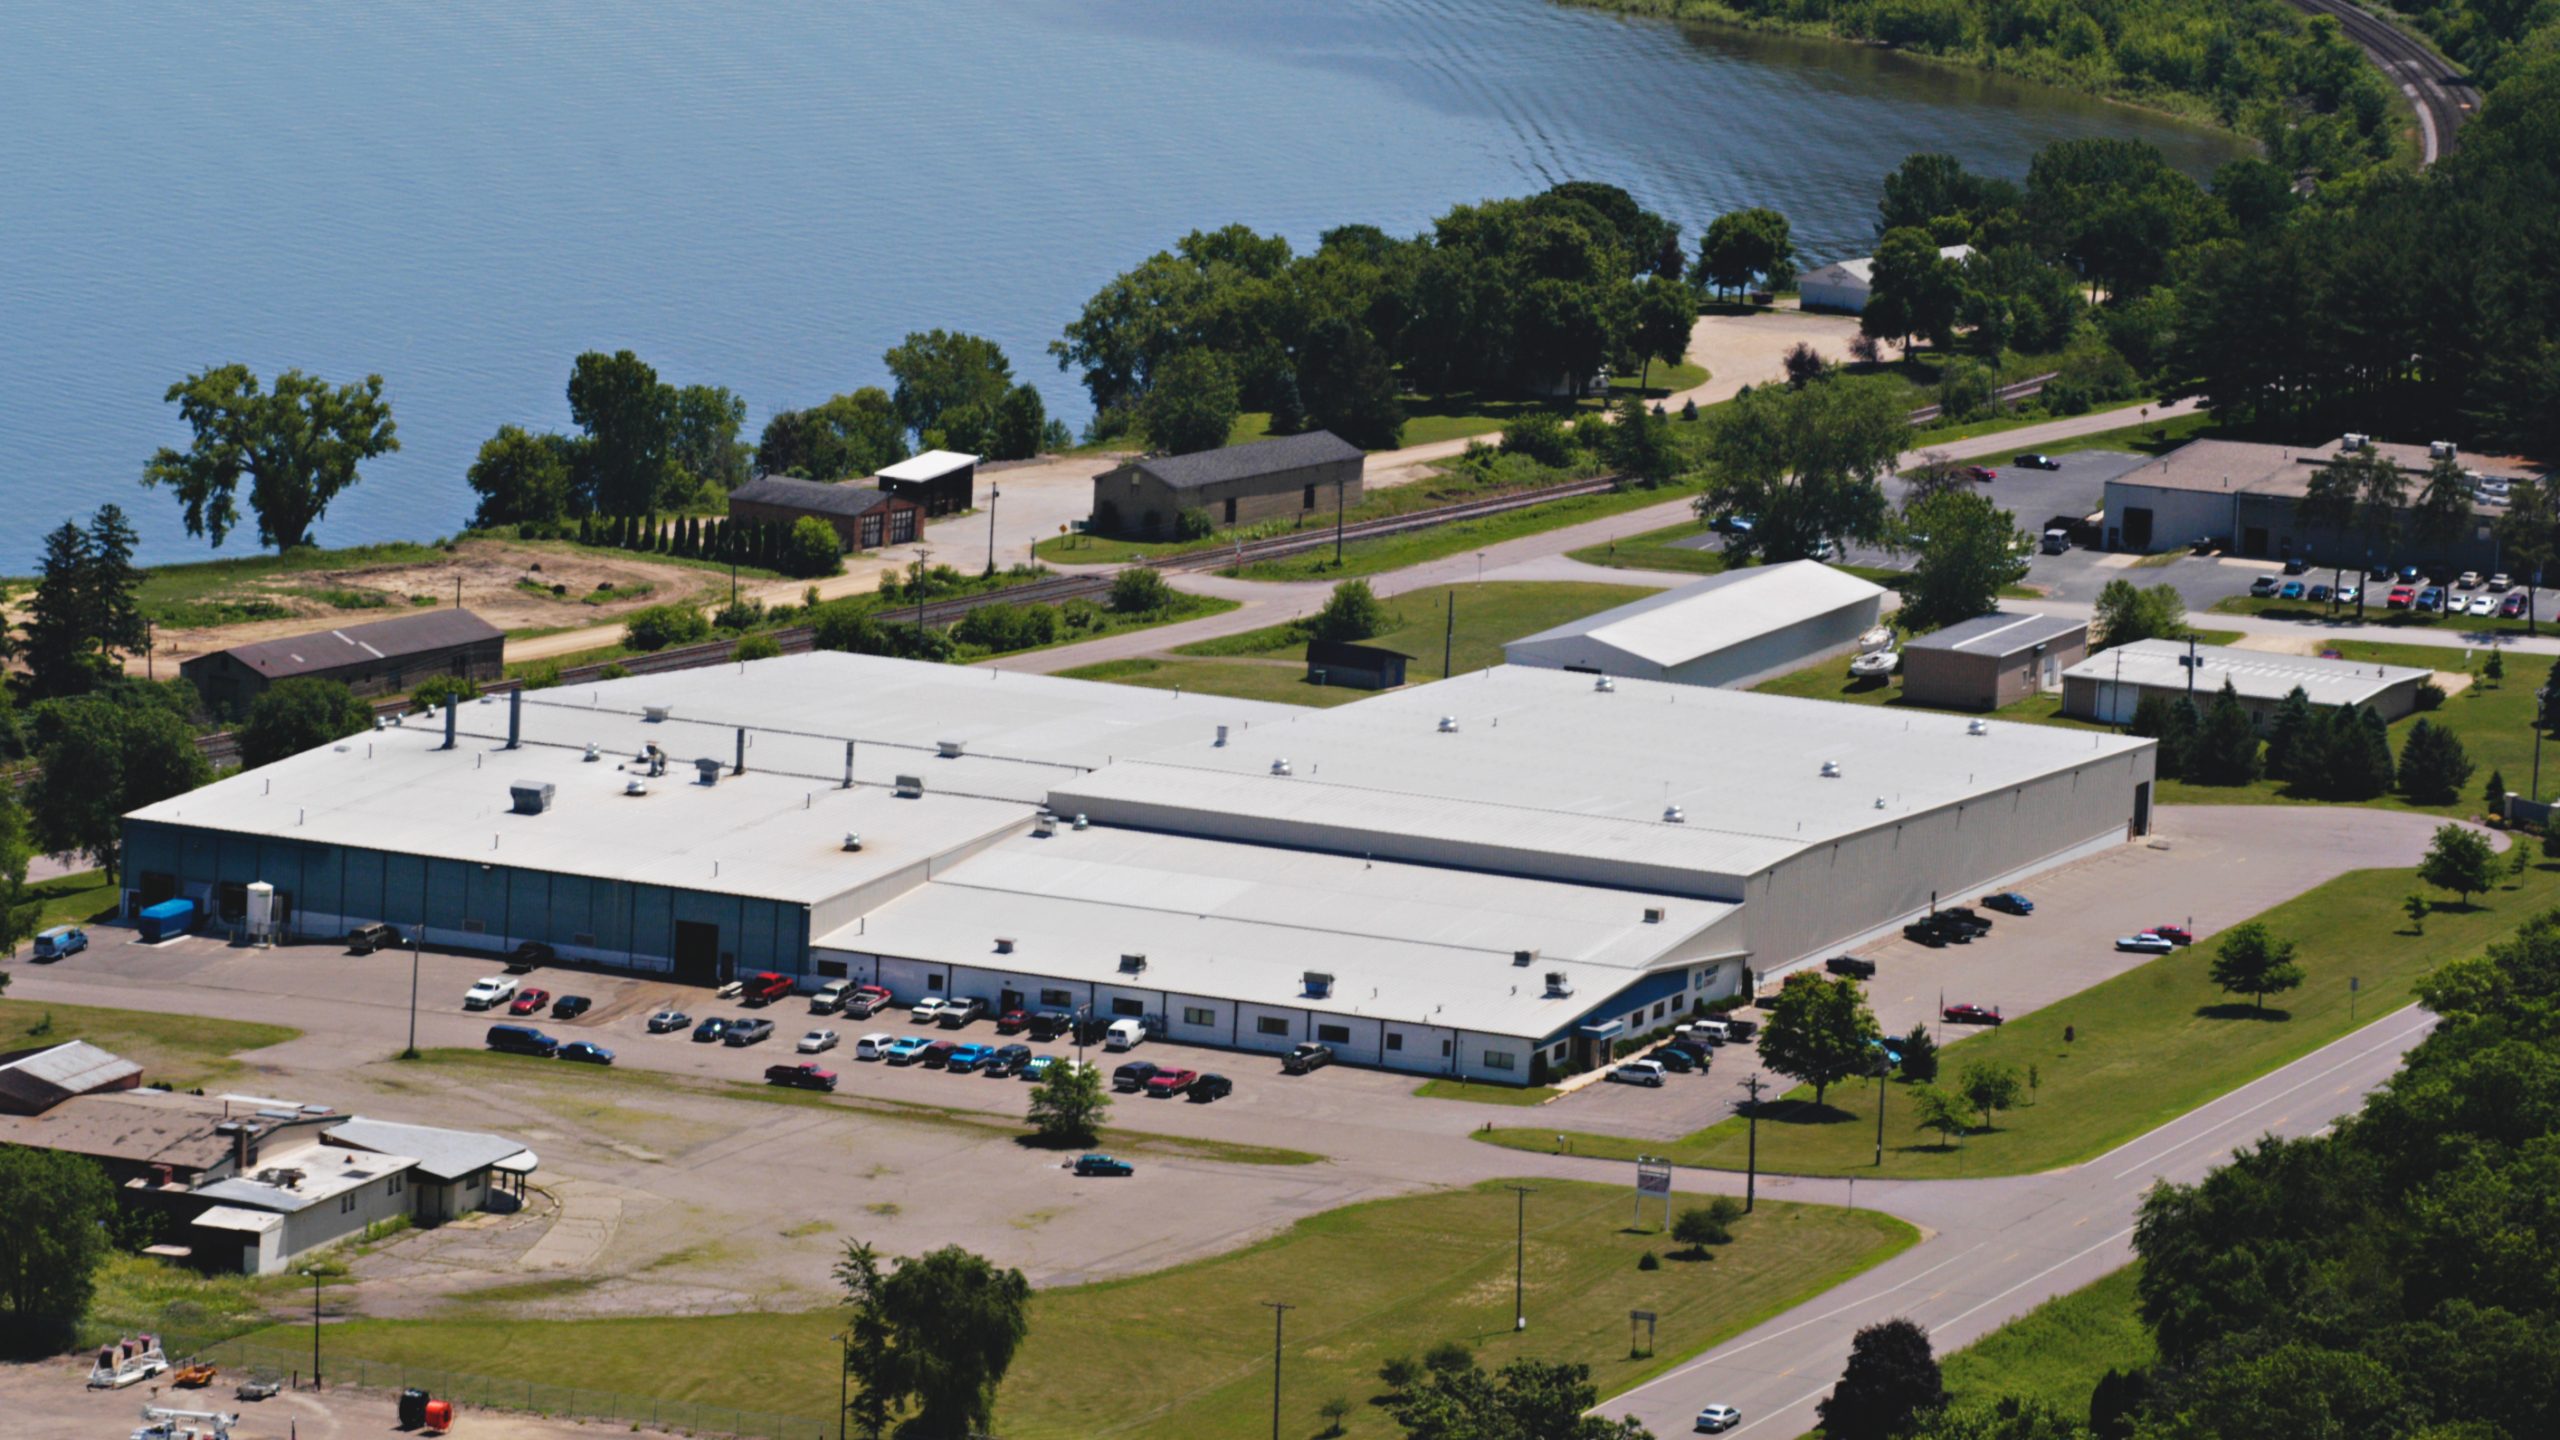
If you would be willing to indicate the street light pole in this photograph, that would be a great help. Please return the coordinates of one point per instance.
(1751, 1172)
(1337, 524)
(994, 493)
(416, 940)
(1279, 1312)
(1884, 1072)
(315, 1327)
(844, 1382)
(923, 554)
(1520, 1261)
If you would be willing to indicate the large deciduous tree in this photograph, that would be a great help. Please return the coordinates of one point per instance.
(101, 759)
(521, 477)
(1544, 1399)
(935, 1333)
(1192, 403)
(849, 435)
(297, 446)
(2253, 960)
(303, 713)
(1742, 246)
(947, 382)
(1972, 550)
(1915, 291)
(629, 417)
(1347, 384)
(1068, 1105)
(1805, 465)
(2127, 612)
(54, 1211)
(1819, 1032)
(2459, 859)
(1891, 1381)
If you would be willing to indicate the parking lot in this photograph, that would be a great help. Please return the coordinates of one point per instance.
(51, 1399)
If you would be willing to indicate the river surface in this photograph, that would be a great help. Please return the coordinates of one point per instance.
(463, 195)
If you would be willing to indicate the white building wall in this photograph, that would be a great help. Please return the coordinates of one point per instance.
(333, 1219)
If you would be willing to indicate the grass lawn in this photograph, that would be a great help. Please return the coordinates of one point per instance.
(1270, 663)
(1445, 1088)
(1186, 1352)
(2058, 1351)
(1653, 550)
(78, 898)
(2151, 437)
(177, 1050)
(2151, 1045)
(195, 593)
(592, 1082)
(1394, 552)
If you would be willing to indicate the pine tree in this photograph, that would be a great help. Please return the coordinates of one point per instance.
(2172, 722)
(2293, 723)
(2494, 794)
(2226, 747)
(2374, 770)
(2433, 765)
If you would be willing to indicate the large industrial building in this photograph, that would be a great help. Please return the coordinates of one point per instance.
(1485, 876)
(2246, 498)
(1736, 628)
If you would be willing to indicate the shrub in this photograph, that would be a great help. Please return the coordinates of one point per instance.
(1449, 1357)
(1541, 435)
(544, 676)
(1080, 614)
(758, 647)
(1649, 1261)
(739, 615)
(437, 691)
(1193, 524)
(812, 547)
(1399, 1374)
(616, 670)
(2430, 695)
(1002, 626)
(1139, 591)
(1352, 613)
(1591, 433)
(659, 626)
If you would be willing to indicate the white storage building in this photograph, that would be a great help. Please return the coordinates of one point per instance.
(1731, 629)
(1846, 284)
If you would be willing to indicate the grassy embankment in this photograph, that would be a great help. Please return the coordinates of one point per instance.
(1433, 418)
(2148, 1046)
(1270, 663)
(2058, 1351)
(177, 1050)
(1187, 1351)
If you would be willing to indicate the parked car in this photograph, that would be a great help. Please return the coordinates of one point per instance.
(2145, 944)
(1309, 1056)
(729, 990)
(2347, 594)
(1969, 1015)
(2035, 460)
(528, 955)
(1127, 1033)
(1637, 1072)
(1980, 475)
(1676, 1058)
(2512, 607)
(873, 1047)
(1103, 1165)
(713, 1028)
(937, 1053)
(1965, 916)
(1732, 524)
(1934, 936)
(803, 1076)
(2482, 605)
(529, 1001)
(764, 987)
(1700, 1053)
(1036, 1068)
(362, 940)
(926, 1010)
(667, 1020)
(865, 1000)
(2174, 934)
(2431, 598)
(1165, 1084)
(2317, 594)
(1211, 1087)
(1050, 1024)
(1134, 1075)
(2290, 590)
(2501, 583)
(488, 991)
(1008, 1059)
(829, 998)
(957, 1013)
(1012, 1022)
(965, 1058)
(1716, 1418)
(2411, 575)
(2009, 902)
(2296, 564)
(586, 1052)
(747, 1032)
(1852, 966)
(2467, 580)
(816, 1041)
(1740, 1031)
(907, 1049)
(570, 1007)
(2400, 598)
(522, 1040)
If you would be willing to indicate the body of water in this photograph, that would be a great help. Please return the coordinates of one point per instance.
(461, 196)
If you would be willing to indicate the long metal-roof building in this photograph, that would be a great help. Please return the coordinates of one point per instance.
(1476, 876)
(1730, 629)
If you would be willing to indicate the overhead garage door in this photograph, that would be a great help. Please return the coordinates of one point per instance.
(2116, 702)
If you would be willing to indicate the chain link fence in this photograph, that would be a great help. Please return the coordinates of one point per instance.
(532, 1397)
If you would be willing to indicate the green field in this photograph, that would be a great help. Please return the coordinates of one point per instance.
(2057, 1351)
(75, 899)
(1653, 550)
(177, 1050)
(1395, 552)
(2149, 1045)
(1270, 663)
(1186, 1352)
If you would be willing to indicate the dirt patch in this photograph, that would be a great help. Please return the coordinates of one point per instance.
(512, 585)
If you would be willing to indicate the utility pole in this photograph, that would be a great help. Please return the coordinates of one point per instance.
(417, 939)
(1337, 524)
(994, 493)
(844, 1382)
(1520, 1261)
(1279, 1312)
(1449, 636)
(1884, 1072)
(315, 1327)
(1751, 1172)
(923, 554)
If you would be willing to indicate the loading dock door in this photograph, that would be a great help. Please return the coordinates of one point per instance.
(2142, 809)
(2116, 702)
(697, 952)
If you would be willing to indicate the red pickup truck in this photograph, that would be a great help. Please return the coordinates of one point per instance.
(1166, 1083)
(764, 987)
(800, 1077)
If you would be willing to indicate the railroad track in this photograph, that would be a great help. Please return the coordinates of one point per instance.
(2445, 100)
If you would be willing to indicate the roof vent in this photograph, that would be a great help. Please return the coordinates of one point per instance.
(1319, 985)
(1222, 736)
(1448, 724)
(1977, 727)
(593, 754)
(1653, 914)
(1132, 964)
(531, 797)
(1045, 825)
(1280, 766)
(2441, 450)
(1830, 769)
(910, 787)
(1523, 957)
(1604, 684)
(707, 769)
(1674, 815)
(1879, 802)
(1079, 822)
(1004, 944)
(656, 713)
(635, 786)
(1558, 987)
(853, 840)
(949, 749)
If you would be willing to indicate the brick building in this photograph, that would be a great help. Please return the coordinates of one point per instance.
(1299, 475)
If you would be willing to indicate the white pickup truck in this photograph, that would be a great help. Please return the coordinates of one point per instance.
(491, 991)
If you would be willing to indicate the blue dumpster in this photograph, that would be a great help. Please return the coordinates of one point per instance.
(169, 917)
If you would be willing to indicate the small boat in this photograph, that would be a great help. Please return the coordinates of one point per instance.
(1875, 664)
(1880, 638)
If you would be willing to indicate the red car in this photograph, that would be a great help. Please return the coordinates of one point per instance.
(800, 1077)
(1970, 1015)
(2174, 934)
(1012, 1022)
(938, 1054)
(764, 987)
(1977, 473)
(529, 1002)
(2402, 597)
(1167, 1083)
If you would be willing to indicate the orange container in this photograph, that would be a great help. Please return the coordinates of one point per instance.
(439, 1415)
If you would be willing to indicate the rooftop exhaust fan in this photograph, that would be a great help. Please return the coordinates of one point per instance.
(635, 787)
(1222, 736)
(949, 749)
(1080, 822)
(1280, 766)
(1132, 964)
(1523, 957)
(1977, 727)
(593, 755)
(656, 713)
(1448, 724)
(1674, 815)
(707, 769)
(1830, 769)
(853, 840)
(1604, 684)
(910, 787)
(1004, 944)
(1879, 802)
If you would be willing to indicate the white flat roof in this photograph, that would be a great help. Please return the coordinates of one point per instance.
(2254, 674)
(326, 1173)
(232, 1217)
(931, 465)
(1702, 618)
(1246, 922)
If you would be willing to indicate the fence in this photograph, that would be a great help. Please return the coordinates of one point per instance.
(535, 1397)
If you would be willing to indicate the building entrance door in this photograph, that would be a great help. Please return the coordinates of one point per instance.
(697, 952)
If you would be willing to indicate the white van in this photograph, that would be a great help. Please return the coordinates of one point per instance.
(1710, 1031)
(1123, 1035)
(873, 1047)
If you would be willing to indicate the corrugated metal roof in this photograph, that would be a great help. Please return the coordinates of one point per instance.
(2000, 633)
(74, 1067)
(931, 465)
(1243, 462)
(819, 497)
(2254, 674)
(324, 650)
(441, 1153)
(1681, 625)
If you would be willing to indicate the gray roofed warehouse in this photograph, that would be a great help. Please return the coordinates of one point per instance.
(1992, 660)
(383, 657)
(1296, 475)
(2109, 685)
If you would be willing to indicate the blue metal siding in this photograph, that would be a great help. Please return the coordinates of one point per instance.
(1659, 985)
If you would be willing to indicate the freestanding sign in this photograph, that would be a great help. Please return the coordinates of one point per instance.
(1653, 1177)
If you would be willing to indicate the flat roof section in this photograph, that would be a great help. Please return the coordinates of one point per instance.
(1709, 615)
(931, 465)
(2000, 633)
(2254, 674)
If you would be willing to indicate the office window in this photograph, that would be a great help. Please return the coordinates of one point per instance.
(1500, 1060)
(1123, 1005)
(1057, 997)
(1271, 1025)
(1659, 1006)
(933, 981)
(1394, 1041)
(1445, 1047)
(1334, 1034)
(1199, 1015)
(347, 1204)
(1561, 1047)
(395, 1183)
